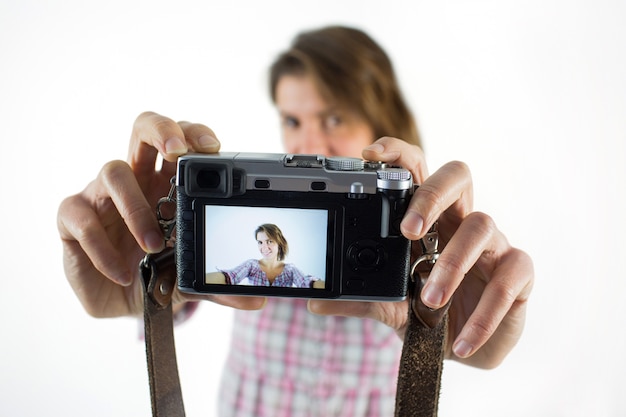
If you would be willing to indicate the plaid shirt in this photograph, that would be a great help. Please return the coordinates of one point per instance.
(251, 269)
(286, 362)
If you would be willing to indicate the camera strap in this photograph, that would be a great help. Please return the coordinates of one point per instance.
(421, 363)
(158, 274)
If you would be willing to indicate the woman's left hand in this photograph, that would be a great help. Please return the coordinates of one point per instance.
(490, 280)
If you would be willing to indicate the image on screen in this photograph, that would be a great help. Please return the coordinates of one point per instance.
(288, 251)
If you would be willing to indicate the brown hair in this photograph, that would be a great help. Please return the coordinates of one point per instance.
(350, 68)
(274, 233)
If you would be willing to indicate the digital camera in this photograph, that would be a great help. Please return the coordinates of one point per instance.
(338, 221)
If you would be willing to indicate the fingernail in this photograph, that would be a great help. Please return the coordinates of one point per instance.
(311, 306)
(376, 147)
(154, 241)
(412, 224)
(432, 296)
(175, 146)
(208, 142)
(462, 349)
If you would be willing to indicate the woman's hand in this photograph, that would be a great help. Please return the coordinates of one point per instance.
(490, 280)
(108, 227)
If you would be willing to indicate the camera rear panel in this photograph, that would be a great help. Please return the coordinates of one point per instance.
(357, 263)
(341, 218)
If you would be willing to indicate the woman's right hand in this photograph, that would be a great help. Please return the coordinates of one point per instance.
(108, 227)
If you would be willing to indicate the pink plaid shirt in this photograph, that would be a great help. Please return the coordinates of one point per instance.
(287, 362)
(251, 269)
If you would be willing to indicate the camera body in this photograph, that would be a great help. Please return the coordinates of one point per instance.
(341, 217)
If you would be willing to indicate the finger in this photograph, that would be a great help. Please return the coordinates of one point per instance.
(501, 310)
(121, 186)
(398, 152)
(199, 138)
(472, 239)
(393, 314)
(448, 190)
(79, 224)
(339, 308)
(239, 302)
(234, 301)
(153, 134)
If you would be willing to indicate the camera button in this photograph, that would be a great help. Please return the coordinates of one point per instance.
(366, 255)
(318, 186)
(355, 284)
(187, 215)
(188, 276)
(262, 184)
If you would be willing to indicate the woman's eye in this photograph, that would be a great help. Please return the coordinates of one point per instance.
(332, 121)
(290, 122)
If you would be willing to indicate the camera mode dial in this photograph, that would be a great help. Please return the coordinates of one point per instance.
(344, 164)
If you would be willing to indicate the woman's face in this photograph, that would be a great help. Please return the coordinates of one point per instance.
(267, 246)
(310, 125)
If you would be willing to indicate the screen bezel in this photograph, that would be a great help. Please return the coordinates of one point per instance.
(333, 255)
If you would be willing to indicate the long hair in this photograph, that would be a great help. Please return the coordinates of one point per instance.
(274, 233)
(351, 69)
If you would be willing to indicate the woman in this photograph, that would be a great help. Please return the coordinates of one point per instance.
(336, 93)
(268, 271)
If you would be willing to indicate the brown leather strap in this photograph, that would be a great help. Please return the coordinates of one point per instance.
(159, 276)
(421, 363)
(420, 367)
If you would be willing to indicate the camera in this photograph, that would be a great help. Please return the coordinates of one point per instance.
(338, 220)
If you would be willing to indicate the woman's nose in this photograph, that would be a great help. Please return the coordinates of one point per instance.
(311, 140)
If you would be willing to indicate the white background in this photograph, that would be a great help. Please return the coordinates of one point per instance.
(531, 94)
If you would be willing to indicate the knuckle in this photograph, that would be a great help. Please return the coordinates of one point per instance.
(430, 196)
(452, 263)
(164, 126)
(460, 168)
(112, 168)
(144, 115)
(526, 278)
(83, 229)
(481, 329)
(482, 222)
(195, 127)
(154, 124)
(504, 291)
(65, 207)
(136, 212)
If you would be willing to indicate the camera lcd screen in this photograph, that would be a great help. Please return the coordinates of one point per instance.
(266, 246)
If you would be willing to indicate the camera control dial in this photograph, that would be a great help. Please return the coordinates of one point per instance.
(394, 179)
(344, 164)
(393, 174)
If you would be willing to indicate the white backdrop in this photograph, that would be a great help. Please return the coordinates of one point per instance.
(532, 95)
